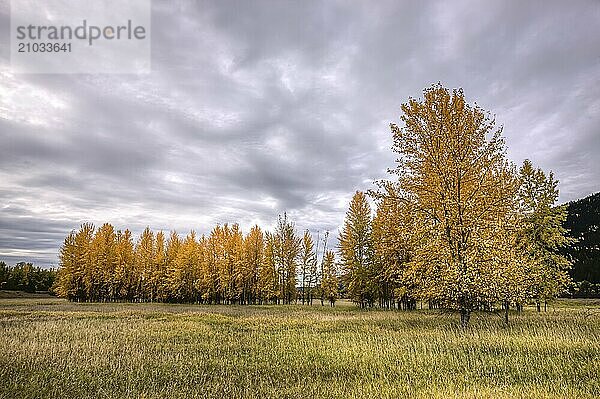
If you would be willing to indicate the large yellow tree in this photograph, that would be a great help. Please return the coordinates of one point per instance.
(452, 167)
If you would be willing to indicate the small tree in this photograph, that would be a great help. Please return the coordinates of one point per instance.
(542, 234)
(308, 261)
(329, 282)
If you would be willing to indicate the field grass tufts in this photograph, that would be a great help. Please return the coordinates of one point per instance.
(52, 348)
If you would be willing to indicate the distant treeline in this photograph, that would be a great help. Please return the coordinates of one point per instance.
(26, 277)
(583, 289)
(583, 223)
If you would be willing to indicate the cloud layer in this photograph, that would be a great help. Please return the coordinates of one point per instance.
(255, 108)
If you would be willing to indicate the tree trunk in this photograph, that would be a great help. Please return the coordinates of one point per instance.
(506, 306)
(465, 315)
(519, 307)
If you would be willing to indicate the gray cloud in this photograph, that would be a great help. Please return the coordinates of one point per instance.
(255, 108)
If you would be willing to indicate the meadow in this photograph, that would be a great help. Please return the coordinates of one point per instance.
(50, 348)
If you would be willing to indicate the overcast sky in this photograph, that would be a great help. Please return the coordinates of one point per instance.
(258, 107)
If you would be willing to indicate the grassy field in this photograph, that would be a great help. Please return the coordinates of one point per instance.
(52, 348)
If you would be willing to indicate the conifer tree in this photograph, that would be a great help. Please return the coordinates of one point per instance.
(201, 287)
(236, 250)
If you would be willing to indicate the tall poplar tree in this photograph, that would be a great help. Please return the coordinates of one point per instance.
(187, 267)
(356, 252)
(268, 277)
(253, 260)
(103, 248)
(308, 261)
(66, 283)
(159, 268)
(329, 281)
(287, 251)
(124, 278)
(144, 264)
(172, 283)
(392, 237)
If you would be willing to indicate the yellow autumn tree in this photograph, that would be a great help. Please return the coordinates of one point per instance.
(224, 267)
(124, 278)
(77, 265)
(308, 263)
(187, 268)
(329, 281)
(453, 169)
(67, 279)
(103, 253)
(144, 263)
(541, 234)
(253, 260)
(287, 250)
(229, 257)
(159, 268)
(172, 281)
(356, 251)
(268, 278)
(392, 235)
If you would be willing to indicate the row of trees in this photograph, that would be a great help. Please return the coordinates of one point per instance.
(583, 289)
(26, 277)
(224, 267)
(460, 226)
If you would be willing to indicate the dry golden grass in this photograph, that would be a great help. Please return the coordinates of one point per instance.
(52, 348)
